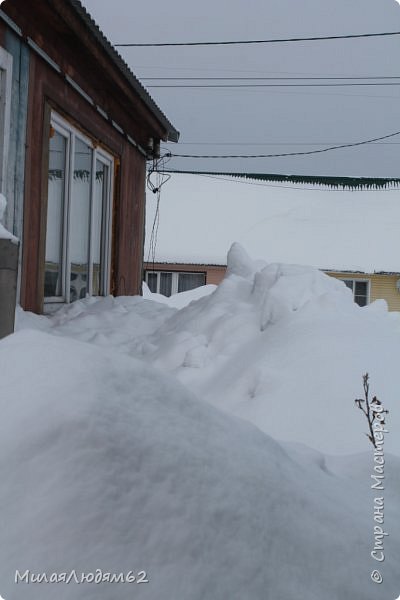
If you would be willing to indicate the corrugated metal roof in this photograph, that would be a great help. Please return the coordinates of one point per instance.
(173, 134)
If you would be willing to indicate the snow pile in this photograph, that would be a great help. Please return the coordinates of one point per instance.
(4, 234)
(282, 346)
(122, 323)
(285, 347)
(181, 299)
(107, 464)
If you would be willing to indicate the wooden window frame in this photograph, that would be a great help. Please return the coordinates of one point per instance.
(70, 133)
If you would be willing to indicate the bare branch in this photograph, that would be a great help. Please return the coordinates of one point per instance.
(369, 409)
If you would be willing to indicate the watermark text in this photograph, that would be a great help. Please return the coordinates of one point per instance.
(76, 577)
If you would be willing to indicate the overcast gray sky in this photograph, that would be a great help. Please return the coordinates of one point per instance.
(269, 120)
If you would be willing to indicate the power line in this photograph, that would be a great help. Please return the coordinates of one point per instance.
(246, 72)
(305, 153)
(205, 78)
(270, 85)
(261, 72)
(267, 41)
(314, 93)
(329, 78)
(273, 143)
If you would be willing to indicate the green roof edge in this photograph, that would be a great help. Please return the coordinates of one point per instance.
(333, 182)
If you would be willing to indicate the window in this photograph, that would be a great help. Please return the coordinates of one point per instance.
(360, 289)
(78, 216)
(168, 283)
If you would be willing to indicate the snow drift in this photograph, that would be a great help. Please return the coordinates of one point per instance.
(282, 346)
(107, 464)
(285, 347)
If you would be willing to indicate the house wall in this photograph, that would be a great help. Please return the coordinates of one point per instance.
(79, 57)
(14, 177)
(214, 273)
(56, 29)
(47, 91)
(382, 286)
(15, 133)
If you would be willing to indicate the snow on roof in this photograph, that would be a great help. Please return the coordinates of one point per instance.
(200, 217)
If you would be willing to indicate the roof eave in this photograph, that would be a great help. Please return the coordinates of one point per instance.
(171, 134)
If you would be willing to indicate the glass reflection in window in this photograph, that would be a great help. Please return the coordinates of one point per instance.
(55, 216)
(80, 220)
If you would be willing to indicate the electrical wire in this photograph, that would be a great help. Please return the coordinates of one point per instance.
(369, 77)
(272, 85)
(245, 71)
(271, 144)
(157, 168)
(267, 41)
(294, 78)
(283, 154)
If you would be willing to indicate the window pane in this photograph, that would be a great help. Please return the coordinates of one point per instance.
(361, 292)
(79, 220)
(152, 282)
(98, 233)
(166, 284)
(55, 216)
(189, 281)
(361, 288)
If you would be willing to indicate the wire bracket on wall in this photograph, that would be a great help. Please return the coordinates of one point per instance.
(156, 176)
(156, 179)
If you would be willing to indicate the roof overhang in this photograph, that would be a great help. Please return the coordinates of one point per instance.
(172, 134)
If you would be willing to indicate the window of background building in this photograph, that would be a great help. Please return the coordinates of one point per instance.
(360, 290)
(170, 282)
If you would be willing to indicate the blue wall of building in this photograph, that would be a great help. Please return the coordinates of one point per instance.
(14, 179)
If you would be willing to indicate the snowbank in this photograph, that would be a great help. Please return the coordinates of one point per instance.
(285, 347)
(122, 323)
(181, 299)
(282, 346)
(107, 464)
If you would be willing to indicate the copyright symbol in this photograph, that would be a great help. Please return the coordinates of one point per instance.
(376, 577)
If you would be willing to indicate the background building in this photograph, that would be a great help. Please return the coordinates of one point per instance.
(351, 235)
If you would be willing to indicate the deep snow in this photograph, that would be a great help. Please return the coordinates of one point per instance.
(107, 464)
(283, 346)
(181, 299)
